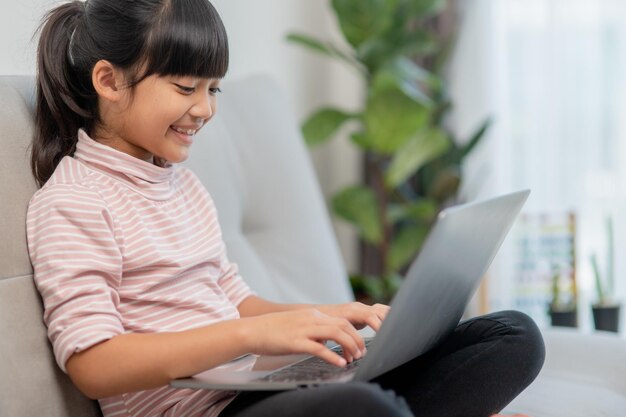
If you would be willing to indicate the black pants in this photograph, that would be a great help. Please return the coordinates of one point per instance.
(485, 363)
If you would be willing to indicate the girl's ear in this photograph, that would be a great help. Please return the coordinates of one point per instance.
(107, 81)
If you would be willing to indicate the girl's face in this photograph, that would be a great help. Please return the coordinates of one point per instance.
(160, 116)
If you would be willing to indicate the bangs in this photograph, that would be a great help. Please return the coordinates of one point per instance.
(188, 39)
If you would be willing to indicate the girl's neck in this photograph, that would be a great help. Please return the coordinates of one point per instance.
(109, 138)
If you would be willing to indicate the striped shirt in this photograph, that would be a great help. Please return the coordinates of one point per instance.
(121, 245)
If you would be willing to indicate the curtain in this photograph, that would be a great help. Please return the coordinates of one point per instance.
(552, 75)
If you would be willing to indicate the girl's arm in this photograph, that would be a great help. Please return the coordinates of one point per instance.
(132, 362)
(255, 306)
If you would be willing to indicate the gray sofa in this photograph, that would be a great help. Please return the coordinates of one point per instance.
(276, 227)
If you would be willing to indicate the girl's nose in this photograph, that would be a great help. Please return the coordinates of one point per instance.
(203, 109)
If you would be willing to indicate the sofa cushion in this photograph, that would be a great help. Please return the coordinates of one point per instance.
(17, 184)
(31, 383)
(583, 376)
(252, 159)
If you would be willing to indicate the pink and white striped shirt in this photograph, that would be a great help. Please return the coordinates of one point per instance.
(120, 245)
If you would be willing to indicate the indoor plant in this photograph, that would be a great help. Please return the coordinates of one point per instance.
(563, 305)
(606, 309)
(412, 162)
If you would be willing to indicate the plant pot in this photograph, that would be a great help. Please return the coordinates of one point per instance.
(564, 318)
(606, 317)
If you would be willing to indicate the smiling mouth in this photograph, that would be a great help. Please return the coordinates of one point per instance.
(189, 132)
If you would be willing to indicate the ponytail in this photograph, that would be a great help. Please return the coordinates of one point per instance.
(64, 102)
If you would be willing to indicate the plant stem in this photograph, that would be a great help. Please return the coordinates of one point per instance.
(378, 183)
(609, 256)
(596, 271)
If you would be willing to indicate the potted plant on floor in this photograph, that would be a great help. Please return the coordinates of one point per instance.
(606, 310)
(412, 160)
(563, 306)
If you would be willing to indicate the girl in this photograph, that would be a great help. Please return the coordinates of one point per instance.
(128, 254)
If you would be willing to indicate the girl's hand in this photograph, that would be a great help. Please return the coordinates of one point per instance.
(359, 314)
(303, 331)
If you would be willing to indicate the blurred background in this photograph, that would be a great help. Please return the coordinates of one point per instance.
(541, 82)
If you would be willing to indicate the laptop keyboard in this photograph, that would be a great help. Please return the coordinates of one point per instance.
(312, 369)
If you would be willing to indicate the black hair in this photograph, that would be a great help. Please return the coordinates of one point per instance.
(141, 37)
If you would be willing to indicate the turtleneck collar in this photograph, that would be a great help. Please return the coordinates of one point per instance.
(148, 179)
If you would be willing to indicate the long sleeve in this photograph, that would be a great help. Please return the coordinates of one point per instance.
(77, 267)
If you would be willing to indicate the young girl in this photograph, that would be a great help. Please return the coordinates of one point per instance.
(129, 259)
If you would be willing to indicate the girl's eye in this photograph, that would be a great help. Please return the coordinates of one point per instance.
(215, 90)
(185, 89)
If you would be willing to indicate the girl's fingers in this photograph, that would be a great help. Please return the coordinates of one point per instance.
(381, 310)
(351, 341)
(314, 328)
(345, 335)
(373, 316)
(374, 322)
(322, 352)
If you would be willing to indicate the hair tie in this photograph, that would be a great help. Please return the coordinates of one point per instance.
(81, 11)
(70, 46)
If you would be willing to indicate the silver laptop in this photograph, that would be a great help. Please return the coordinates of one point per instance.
(427, 307)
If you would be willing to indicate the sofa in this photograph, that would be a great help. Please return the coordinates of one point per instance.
(276, 226)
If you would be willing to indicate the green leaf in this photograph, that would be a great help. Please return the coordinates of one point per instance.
(377, 52)
(423, 210)
(476, 137)
(360, 140)
(373, 287)
(376, 288)
(409, 70)
(405, 244)
(598, 280)
(423, 9)
(311, 43)
(321, 125)
(392, 118)
(442, 107)
(446, 183)
(405, 75)
(392, 281)
(424, 147)
(362, 19)
(396, 212)
(374, 52)
(610, 243)
(324, 48)
(358, 205)
(417, 43)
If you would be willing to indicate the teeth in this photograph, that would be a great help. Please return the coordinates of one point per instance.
(189, 132)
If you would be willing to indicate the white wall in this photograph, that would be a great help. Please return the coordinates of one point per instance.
(18, 22)
(257, 31)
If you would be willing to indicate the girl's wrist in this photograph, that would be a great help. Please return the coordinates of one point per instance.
(244, 335)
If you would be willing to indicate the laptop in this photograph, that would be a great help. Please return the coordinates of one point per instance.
(427, 307)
